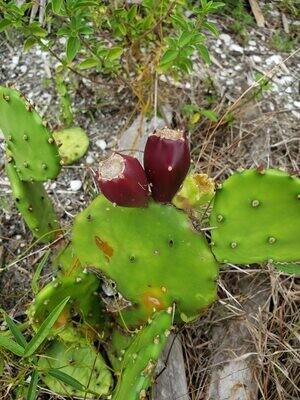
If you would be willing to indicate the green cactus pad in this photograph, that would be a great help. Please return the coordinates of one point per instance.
(120, 341)
(82, 362)
(140, 359)
(72, 144)
(82, 288)
(288, 268)
(154, 254)
(66, 263)
(33, 149)
(256, 217)
(35, 206)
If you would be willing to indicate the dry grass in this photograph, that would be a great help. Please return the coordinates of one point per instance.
(274, 338)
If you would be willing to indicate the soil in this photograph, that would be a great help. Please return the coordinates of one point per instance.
(264, 131)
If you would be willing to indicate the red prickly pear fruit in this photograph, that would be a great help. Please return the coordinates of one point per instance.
(166, 162)
(123, 181)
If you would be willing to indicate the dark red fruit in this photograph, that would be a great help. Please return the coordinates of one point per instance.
(166, 162)
(122, 180)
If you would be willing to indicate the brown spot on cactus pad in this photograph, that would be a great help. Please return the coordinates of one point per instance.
(151, 301)
(105, 248)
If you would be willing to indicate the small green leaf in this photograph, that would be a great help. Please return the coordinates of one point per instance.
(36, 30)
(114, 53)
(185, 65)
(204, 53)
(168, 56)
(132, 12)
(73, 46)
(211, 27)
(11, 346)
(29, 43)
(86, 30)
(4, 23)
(15, 331)
(185, 38)
(45, 328)
(65, 378)
(122, 29)
(85, 3)
(189, 109)
(179, 21)
(37, 273)
(57, 5)
(216, 4)
(203, 3)
(165, 67)
(88, 63)
(64, 31)
(210, 115)
(32, 389)
(195, 118)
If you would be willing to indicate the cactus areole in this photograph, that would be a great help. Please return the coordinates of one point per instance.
(122, 180)
(166, 162)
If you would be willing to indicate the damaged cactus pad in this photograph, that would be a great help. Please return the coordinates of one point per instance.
(154, 254)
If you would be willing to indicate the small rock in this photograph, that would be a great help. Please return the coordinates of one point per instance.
(297, 104)
(89, 160)
(15, 60)
(53, 185)
(23, 69)
(296, 114)
(238, 67)
(274, 60)
(62, 40)
(236, 49)
(286, 80)
(252, 43)
(225, 38)
(218, 43)
(256, 59)
(101, 144)
(75, 185)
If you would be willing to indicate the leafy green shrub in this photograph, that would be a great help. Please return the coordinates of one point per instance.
(129, 43)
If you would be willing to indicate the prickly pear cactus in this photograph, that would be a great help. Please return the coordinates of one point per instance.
(288, 268)
(256, 218)
(72, 144)
(85, 304)
(31, 144)
(140, 358)
(81, 361)
(154, 254)
(35, 206)
(66, 263)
